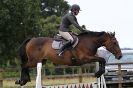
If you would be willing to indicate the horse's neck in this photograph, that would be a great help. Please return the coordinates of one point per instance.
(92, 42)
(88, 43)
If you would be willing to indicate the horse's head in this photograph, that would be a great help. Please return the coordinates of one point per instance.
(112, 45)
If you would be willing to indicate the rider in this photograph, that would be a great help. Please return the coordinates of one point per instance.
(67, 20)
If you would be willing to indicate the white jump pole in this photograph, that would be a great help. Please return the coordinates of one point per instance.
(103, 80)
(98, 79)
(98, 82)
(38, 78)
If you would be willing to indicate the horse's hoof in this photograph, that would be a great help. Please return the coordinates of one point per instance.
(21, 82)
(17, 82)
(99, 73)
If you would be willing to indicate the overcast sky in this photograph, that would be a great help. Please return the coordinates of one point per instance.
(109, 16)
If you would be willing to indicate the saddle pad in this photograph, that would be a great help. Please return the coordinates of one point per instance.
(57, 44)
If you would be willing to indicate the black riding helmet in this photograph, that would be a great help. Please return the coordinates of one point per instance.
(75, 7)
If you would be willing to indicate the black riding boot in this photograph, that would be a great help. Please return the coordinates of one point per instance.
(67, 44)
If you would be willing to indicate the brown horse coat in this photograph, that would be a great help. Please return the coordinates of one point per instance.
(38, 49)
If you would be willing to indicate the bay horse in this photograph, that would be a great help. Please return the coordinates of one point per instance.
(35, 50)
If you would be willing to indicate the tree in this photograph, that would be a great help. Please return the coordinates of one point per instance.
(50, 25)
(20, 19)
(56, 7)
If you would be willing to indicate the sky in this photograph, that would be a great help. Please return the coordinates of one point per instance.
(108, 15)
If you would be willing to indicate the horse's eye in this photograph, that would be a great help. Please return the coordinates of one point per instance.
(115, 43)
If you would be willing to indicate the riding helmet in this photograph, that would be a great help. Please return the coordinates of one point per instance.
(75, 7)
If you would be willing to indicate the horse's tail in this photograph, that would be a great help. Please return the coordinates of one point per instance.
(22, 52)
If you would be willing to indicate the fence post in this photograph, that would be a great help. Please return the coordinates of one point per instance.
(1, 78)
(120, 75)
(80, 75)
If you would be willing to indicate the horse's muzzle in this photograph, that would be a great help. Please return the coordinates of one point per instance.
(119, 57)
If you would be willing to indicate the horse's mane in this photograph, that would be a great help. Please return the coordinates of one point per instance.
(92, 33)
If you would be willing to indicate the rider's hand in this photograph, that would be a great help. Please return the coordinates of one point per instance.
(83, 26)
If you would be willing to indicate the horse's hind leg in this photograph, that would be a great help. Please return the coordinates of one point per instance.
(25, 77)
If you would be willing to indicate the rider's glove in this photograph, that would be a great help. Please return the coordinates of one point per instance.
(83, 26)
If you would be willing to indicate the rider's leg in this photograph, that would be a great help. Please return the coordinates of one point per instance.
(68, 37)
(67, 44)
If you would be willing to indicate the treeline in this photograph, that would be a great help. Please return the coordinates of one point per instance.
(22, 19)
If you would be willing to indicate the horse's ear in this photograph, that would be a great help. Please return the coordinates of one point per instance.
(113, 34)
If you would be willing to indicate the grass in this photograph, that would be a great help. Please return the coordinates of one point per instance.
(11, 84)
(46, 81)
(67, 80)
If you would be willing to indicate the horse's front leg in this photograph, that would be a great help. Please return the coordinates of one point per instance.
(89, 59)
(101, 67)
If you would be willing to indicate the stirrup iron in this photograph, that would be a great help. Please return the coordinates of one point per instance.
(60, 54)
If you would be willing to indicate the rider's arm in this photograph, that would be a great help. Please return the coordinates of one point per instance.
(75, 23)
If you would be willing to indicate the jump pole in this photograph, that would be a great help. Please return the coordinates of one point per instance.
(100, 80)
(38, 78)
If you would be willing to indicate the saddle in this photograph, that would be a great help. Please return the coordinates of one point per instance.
(59, 41)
